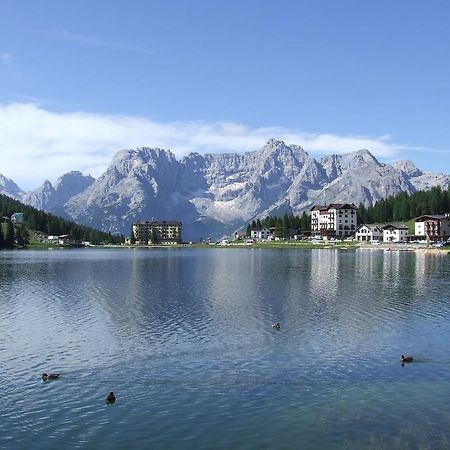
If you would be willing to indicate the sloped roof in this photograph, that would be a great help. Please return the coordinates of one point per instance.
(372, 226)
(431, 216)
(398, 226)
(333, 206)
(157, 223)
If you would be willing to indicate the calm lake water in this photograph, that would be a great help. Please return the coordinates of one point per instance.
(184, 339)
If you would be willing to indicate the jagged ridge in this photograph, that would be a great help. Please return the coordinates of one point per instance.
(214, 195)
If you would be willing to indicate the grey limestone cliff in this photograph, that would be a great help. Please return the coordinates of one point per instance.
(213, 195)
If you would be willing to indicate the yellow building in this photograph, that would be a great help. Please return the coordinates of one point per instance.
(154, 232)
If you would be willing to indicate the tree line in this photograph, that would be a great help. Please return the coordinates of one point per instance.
(404, 207)
(284, 226)
(12, 235)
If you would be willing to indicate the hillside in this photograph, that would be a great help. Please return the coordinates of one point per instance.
(49, 224)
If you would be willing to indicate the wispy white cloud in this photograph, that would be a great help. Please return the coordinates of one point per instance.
(5, 59)
(98, 42)
(38, 144)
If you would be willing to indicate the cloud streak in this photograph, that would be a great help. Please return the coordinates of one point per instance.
(38, 144)
(97, 42)
(5, 59)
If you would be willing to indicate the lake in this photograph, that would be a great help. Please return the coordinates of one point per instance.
(184, 339)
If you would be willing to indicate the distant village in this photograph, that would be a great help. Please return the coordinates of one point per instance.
(336, 221)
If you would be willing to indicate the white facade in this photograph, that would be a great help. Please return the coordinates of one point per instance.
(395, 233)
(260, 235)
(336, 219)
(369, 233)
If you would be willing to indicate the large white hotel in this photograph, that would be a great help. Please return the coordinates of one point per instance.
(335, 220)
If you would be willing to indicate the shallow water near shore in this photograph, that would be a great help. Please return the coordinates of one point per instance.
(184, 339)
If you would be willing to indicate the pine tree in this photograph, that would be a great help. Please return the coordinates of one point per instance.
(2, 239)
(306, 221)
(154, 238)
(279, 228)
(9, 237)
(20, 241)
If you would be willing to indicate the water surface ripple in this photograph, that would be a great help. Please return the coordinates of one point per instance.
(184, 339)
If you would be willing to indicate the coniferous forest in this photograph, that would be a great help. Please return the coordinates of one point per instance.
(404, 207)
(18, 235)
(284, 226)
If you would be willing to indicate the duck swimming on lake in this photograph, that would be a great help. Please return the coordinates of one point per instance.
(406, 359)
(49, 376)
(111, 398)
(276, 325)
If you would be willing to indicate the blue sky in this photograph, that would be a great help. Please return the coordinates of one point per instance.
(80, 80)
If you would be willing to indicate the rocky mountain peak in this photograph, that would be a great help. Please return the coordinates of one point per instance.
(407, 167)
(363, 157)
(9, 188)
(142, 155)
(51, 198)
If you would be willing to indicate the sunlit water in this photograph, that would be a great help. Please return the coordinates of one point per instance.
(184, 339)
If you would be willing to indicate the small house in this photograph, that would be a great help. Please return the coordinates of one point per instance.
(17, 218)
(260, 234)
(395, 232)
(370, 232)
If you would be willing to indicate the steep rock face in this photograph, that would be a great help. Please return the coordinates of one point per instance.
(9, 188)
(422, 181)
(361, 178)
(214, 195)
(140, 184)
(408, 168)
(53, 198)
(41, 198)
(70, 184)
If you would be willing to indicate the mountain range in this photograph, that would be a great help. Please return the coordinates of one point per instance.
(214, 195)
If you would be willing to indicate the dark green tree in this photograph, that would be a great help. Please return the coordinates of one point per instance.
(22, 235)
(154, 238)
(9, 236)
(305, 222)
(2, 239)
(279, 228)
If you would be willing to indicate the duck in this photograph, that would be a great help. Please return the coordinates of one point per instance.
(276, 325)
(111, 398)
(406, 359)
(49, 376)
